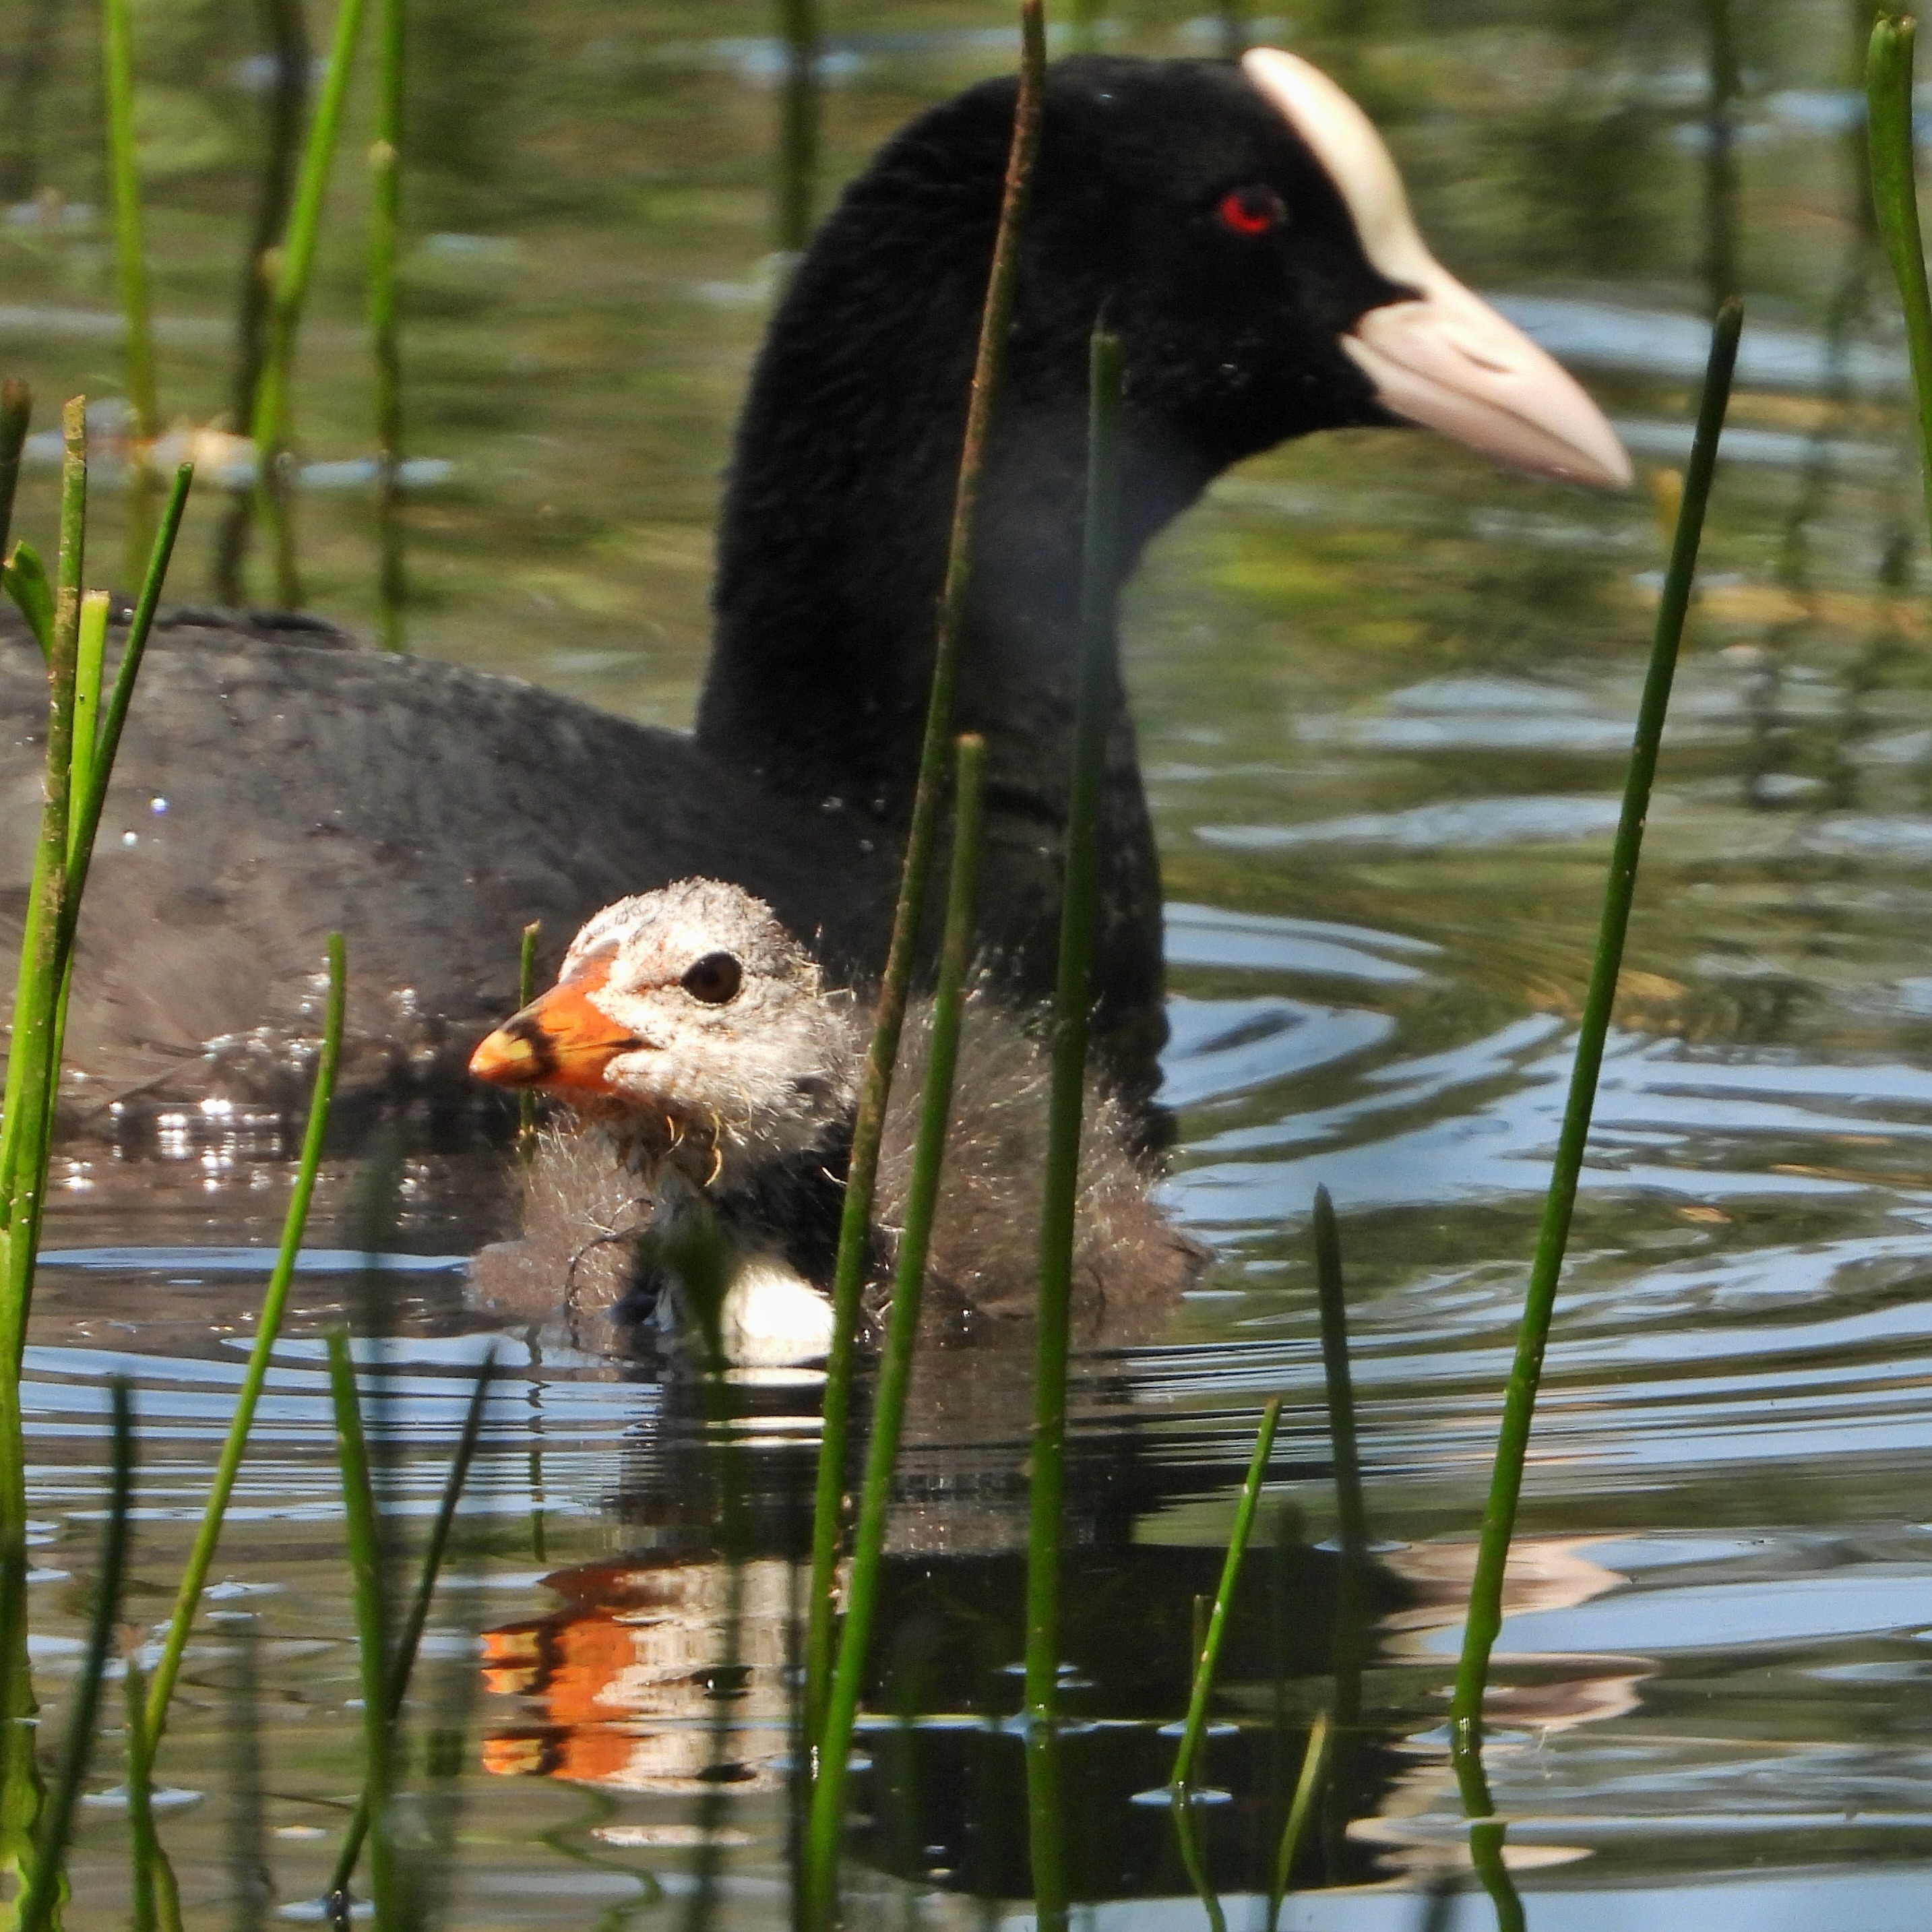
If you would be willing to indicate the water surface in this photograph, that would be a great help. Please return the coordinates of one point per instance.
(1384, 696)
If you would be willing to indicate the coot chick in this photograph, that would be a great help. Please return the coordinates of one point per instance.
(1245, 230)
(713, 1071)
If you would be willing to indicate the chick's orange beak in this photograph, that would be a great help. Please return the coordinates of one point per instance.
(564, 1041)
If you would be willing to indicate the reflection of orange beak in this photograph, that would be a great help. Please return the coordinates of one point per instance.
(563, 1041)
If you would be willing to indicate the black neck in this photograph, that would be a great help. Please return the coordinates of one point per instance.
(839, 512)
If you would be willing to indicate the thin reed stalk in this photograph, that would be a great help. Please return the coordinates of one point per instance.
(826, 1825)
(1349, 1505)
(16, 414)
(1071, 1012)
(26, 579)
(372, 1625)
(187, 1597)
(41, 1904)
(526, 990)
(798, 124)
(386, 181)
(153, 1880)
(921, 834)
(1895, 200)
(410, 1639)
(1083, 28)
(25, 1133)
(131, 268)
(1301, 1807)
(1486, 1591)
(285, 35)
(26, 1122)
(1187, 1756)
(270, 426)
(90, 657)
(89, 805)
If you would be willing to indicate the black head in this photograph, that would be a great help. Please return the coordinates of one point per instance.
(1172, 196)
(1243, 230)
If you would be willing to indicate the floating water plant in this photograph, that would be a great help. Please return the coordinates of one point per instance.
(1485, 1589)
(1187, 1756)
(1895, 200)
(1072, 1008)
(827, 1820)
(922, 836)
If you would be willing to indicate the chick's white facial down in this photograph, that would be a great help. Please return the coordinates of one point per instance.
(692, 1011)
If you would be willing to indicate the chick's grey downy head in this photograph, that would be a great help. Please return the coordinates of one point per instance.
(689, 1018)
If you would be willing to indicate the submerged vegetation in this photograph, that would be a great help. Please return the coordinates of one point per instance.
(839, 1643)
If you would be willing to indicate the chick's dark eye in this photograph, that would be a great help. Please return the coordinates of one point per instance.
(1251, 211)
(715, 979)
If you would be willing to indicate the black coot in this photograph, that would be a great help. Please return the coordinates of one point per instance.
(1246, 232)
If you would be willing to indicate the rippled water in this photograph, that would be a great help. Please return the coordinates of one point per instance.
(1384, 695)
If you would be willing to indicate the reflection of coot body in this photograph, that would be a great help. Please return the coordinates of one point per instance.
(1245, 233)
(946, 1800)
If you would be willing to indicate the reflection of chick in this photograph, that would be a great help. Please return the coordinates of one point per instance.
(696, 1038)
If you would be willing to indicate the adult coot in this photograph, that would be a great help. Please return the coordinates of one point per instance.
(1246, 232)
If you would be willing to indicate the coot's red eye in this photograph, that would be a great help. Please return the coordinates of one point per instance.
(1251, 211)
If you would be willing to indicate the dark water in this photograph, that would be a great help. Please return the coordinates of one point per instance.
(1384, 696)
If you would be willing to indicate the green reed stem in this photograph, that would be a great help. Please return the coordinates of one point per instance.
(90, 656)
(157, 1898)
(1486, 1590)
(26, 1112)
(1073, 1008)
(1083, 34)
(372, 1623)
(124, 186)
(18, 1127)
(42, 1902)
(130, 263)
(1301, 1808)
(825, 1826)
(1349, 1505)
(385, 155)
(1185, 1759)
(798, 126)
(875, 1089)
(414, 1624)
(89, 806)
(161, 1689)
(270, 428)
(25, 1136)
(26, 579)
(16, 414)
(1895, 200)
(526, 992)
